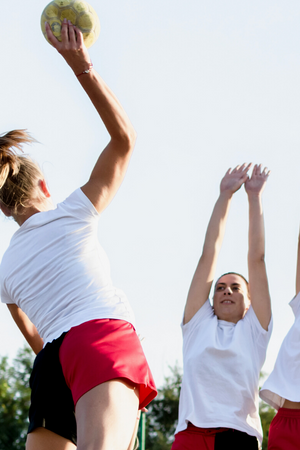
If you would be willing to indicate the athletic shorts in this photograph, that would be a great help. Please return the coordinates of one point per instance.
(52, 405)
(193, 438)
(284, 432)
(101, 350)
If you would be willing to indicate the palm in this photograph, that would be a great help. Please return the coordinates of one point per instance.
(256, 183)
(233, 179)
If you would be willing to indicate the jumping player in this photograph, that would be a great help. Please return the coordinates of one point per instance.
(224, 345)
(55, 280)
(282, 388)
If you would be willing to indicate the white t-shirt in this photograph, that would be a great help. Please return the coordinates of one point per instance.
(222, 362)
(55, 270)
(284, 381)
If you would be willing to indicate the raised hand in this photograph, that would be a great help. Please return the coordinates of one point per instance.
(71, 47)
(233, 179)
(256, 183)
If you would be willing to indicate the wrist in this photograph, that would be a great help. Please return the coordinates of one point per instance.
(86, 71)
(254, 195)
(226, 195)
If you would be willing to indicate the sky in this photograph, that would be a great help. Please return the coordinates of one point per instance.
(207, 85)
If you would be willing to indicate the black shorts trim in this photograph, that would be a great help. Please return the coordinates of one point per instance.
(235, 440)
(52, 405)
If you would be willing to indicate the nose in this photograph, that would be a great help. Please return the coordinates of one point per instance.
(227, 291)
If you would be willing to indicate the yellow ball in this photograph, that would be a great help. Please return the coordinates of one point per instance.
(79, 12)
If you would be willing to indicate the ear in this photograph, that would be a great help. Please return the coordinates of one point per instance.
(44, 188)
(6, 211)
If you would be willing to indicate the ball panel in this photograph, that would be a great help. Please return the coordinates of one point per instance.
(62, 3)
(80, 6)
(68, 14)
(86, 22)
(89, 39)
(55, 25)
(51, 11)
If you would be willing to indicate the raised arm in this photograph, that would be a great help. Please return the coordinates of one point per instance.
(112, 164)
(298, 268)
(205, 271)
(27, 328)
(258, 282)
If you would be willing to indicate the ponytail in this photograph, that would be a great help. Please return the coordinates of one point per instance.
(18, 173)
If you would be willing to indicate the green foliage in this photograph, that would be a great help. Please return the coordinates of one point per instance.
(163, 413)
(15, 400)
(266, 415)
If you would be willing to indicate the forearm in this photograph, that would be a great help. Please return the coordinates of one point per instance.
(216, 226)
(258, 281)
(108, 107)
(205, 271)
(27, 328)
(256, 251)
(298, 268)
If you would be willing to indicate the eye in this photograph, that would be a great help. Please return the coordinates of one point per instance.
(220, 288)
(235, 288)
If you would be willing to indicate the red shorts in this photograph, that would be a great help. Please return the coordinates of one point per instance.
(101, 350)
(284, 432)
(194, 438)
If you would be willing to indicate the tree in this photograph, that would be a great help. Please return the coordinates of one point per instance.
(15, 400)
(163, 413)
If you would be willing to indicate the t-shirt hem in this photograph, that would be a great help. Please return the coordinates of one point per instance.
(65, 329)
(265, 396)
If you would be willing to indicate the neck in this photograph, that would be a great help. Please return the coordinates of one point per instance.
(28, 212)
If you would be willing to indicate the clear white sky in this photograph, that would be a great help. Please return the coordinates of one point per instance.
(207, 85)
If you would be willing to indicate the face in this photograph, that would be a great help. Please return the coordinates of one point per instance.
(231, 300)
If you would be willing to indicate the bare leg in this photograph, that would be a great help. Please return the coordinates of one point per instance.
(106, 416)
(42, 439)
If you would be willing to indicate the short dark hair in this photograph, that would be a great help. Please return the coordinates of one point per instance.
(234, 273)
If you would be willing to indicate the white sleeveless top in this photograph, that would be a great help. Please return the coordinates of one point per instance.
(284, 381)
(55, 270)
(222, 362)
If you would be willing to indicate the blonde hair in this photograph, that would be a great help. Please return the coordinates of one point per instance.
(19, 174)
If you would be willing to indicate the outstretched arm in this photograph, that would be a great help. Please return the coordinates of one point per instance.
(27, 328)
(298, 268)
(258, 282)
(205, 271)
(112, 164)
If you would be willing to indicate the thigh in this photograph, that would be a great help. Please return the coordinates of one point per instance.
(106, 416)
(42, 439)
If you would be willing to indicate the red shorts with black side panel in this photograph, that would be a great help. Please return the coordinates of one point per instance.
(284, 432)
(194, 438)
(101, 350)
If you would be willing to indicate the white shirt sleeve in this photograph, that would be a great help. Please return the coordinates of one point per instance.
(260, 335)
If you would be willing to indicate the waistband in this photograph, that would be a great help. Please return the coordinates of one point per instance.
(287, 412)
(205, 431)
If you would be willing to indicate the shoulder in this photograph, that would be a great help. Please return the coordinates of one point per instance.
(295, 305)
(204, 314)
(259, 334)
(78, 202)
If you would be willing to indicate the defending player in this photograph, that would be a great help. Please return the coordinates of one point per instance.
(282, 388)
(224, 345)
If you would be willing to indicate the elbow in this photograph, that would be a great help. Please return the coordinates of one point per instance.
(126, 140)
(256, 258)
